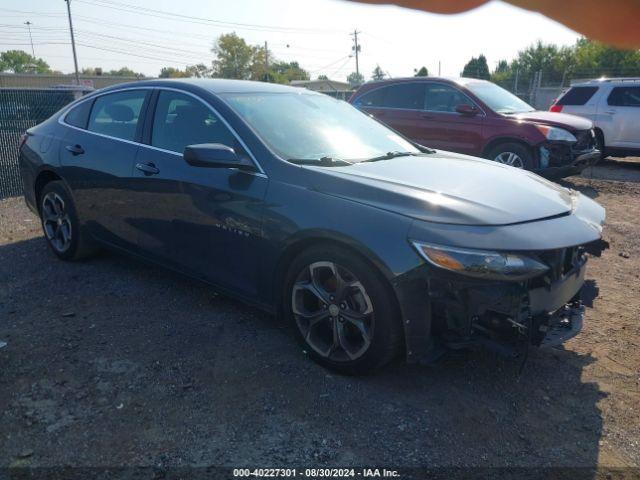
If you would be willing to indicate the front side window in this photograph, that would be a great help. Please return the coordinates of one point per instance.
(624, 97)
(117, 114)
(443, 98)
(181, 120)
(310, 126)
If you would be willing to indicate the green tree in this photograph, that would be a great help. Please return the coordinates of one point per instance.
(124, 72)
(355, 79)
(594, 59)
(423, 72)
(285, 72)
(199, 70)
(234, 58)
(476, 68)
(323, 77)
(18, 61)
(378, 73)
(171, 72)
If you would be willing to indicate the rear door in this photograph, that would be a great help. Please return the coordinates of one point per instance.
(619, 117)
(97, 156)
(205, 221)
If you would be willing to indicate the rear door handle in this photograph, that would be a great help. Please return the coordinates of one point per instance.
(610, 112)
(148, 168)
(75, 149)
(426, 115)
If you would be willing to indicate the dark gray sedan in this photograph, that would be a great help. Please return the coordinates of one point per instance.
(369, 244)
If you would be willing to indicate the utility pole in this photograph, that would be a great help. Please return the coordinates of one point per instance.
(439, 65)
(266, 62)
(73, 42)
(28, 24)
(356, 49)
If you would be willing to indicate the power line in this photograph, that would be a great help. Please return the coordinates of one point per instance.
(199, 20)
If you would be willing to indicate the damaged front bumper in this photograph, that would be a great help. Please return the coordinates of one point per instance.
(505, 317)
(558, 159)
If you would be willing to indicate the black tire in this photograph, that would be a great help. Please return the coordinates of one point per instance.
(383, 324)
(522, 151)
(64, 236)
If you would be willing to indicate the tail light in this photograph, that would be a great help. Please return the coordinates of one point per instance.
(23, 140)
(556, 108)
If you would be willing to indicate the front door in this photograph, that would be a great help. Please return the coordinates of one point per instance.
(205, 221)
(445, 128)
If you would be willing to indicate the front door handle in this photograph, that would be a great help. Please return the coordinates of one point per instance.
(148, 168)
(75, 149)
(426, 115)
(611, 112)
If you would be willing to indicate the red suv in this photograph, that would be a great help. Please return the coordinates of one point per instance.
(480, 118)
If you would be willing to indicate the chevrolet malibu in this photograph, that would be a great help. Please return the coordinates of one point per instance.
(370, 245)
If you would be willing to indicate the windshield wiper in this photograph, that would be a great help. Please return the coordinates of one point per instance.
(323, 161)
(390, 155)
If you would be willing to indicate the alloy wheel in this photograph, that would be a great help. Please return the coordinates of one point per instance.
(511, 159)
(333, 311)
(56, 222)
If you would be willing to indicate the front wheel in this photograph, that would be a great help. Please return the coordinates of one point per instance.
(513, 154)
(342, 311)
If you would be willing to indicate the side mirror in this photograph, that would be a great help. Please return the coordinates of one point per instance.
(466, 109)
(215, 155)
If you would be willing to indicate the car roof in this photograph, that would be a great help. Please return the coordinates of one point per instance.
(601, 81)
(215, 85)
(462, 81)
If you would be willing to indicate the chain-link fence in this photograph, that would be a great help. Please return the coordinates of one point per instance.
(21, 109)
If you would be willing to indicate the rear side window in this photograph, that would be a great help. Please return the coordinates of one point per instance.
(577, 96)
(117, 114)
(624, 97)
(443, 98)
(79, 116)
(182, 120)
(403, 95)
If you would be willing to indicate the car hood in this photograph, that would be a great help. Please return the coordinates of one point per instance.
(555, 119)
(446, 187)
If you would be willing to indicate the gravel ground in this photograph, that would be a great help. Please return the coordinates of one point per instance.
(111, 362)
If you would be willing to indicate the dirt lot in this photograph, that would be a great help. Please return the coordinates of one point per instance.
(111, 362)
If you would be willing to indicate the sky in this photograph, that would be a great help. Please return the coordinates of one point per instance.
(146, 35)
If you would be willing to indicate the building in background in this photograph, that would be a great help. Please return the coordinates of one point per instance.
(333, 88)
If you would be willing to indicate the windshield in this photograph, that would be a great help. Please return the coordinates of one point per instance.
(308, 126)
(497, 98)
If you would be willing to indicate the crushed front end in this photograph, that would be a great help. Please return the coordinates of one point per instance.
(508, 317)
(562, 158)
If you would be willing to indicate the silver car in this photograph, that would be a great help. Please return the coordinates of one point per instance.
(614, 107)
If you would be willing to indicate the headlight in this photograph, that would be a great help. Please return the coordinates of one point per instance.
(480, 263)
(556, 134)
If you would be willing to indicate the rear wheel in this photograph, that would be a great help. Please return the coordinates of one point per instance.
(60, 223)
(512, 154)
(342, 311)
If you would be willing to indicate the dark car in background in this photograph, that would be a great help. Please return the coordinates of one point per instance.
(479, 118)
(367, 243)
